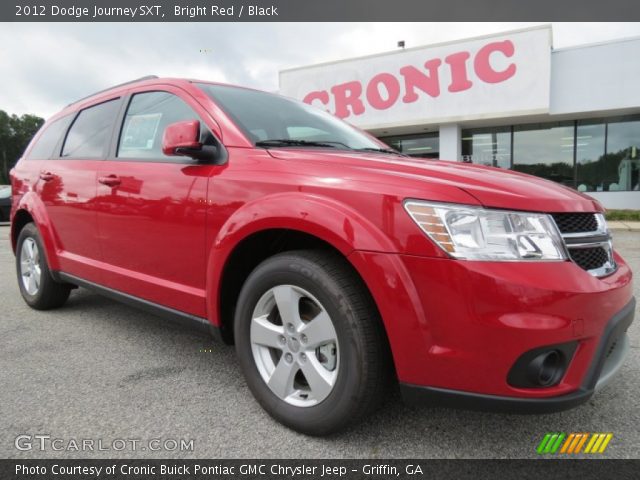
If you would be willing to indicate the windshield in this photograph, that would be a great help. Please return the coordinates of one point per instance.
(271, 120)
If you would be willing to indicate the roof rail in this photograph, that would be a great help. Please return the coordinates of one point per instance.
(148, 77)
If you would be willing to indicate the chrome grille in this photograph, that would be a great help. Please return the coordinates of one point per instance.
(589, 258)
(575, 222)
(587, 240)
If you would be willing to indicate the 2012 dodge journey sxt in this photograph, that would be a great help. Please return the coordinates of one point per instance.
(336, 265)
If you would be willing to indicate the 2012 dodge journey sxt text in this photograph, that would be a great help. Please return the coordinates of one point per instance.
(335, 264)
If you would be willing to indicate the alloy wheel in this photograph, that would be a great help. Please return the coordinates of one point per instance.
(295, 345)
(30, 269)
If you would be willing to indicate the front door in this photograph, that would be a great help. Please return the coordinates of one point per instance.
(152, 207)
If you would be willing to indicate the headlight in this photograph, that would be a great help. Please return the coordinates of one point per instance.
(474, 233)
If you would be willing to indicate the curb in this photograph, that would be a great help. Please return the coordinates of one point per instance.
(618, 226)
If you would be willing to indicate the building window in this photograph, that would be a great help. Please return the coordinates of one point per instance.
(595, 155)
(621, 165)
(426, 145)
(487, 146)
(545, 150)
(590, 148)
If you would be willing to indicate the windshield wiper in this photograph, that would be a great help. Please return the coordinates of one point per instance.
(287, 142)
(381, 150)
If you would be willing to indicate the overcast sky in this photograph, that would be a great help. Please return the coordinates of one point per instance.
(46, 66)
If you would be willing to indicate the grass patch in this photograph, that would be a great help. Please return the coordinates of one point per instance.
(622, 215)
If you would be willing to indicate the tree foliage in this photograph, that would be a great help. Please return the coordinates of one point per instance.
(15, 134)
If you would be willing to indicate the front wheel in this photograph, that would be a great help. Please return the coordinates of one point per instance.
(310, 342)
(37, 286)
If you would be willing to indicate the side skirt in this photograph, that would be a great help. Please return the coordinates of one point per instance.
(175, 316)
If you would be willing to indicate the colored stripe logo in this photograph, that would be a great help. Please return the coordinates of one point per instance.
(573, 443)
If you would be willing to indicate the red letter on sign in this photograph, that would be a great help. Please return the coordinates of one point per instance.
(345, 95)
(321, 95)
(430, 84)
(373, 91)
(458, 65)
(483, 67)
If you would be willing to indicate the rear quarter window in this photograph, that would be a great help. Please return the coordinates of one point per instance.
(90, 133)
(52, 133)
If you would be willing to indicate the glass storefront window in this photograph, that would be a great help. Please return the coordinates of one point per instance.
(621, 166)
(487, 146)
(545, 150)
(425, 145)
(593, 155)
(590, 145)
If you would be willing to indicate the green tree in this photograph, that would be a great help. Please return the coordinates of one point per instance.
(15, 134)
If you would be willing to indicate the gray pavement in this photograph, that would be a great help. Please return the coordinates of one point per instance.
(96, 369)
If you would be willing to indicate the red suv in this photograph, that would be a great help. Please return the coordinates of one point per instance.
(336, 265)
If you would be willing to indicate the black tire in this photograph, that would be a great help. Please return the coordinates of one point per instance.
(50, 294)
(365, 366)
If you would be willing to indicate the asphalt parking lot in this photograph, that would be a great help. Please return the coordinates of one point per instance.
(96, 369)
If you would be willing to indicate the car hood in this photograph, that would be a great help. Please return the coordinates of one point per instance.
(491, 187)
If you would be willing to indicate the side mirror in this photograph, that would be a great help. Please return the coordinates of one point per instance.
(183, 139)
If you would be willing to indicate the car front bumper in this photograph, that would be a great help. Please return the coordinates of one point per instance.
(610, 355)
(457, 328)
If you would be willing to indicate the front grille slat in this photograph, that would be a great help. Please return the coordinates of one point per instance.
(589, 258)
(576, 222)
(587, 229)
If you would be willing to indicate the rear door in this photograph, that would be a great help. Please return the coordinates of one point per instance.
(152, 207)
(67, 186)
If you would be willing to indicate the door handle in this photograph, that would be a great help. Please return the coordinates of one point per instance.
(110, 180)
(47, 176)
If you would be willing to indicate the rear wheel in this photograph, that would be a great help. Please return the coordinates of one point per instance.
(310, 342)
(37, 286)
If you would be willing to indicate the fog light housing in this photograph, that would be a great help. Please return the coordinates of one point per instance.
(541, 367)
(545, 368)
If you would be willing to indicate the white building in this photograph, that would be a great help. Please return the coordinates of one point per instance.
(509, 100)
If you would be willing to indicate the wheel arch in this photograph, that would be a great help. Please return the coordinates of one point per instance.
(274, 224)
(20, 219)
(31, 209)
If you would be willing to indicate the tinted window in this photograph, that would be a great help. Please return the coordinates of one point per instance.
(487, 146)
(590, 142)
(43, 148)
(89, 134)
(265, 116)
(147, 117)
(621, 166)
(545, 150)
(425, 145)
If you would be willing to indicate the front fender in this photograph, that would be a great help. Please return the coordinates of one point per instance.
(31, 203)
(333, 222)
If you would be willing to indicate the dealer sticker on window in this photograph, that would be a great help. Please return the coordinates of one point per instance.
(140, 131)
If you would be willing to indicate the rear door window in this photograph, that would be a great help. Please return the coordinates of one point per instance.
(50, 138)
(90, 133)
